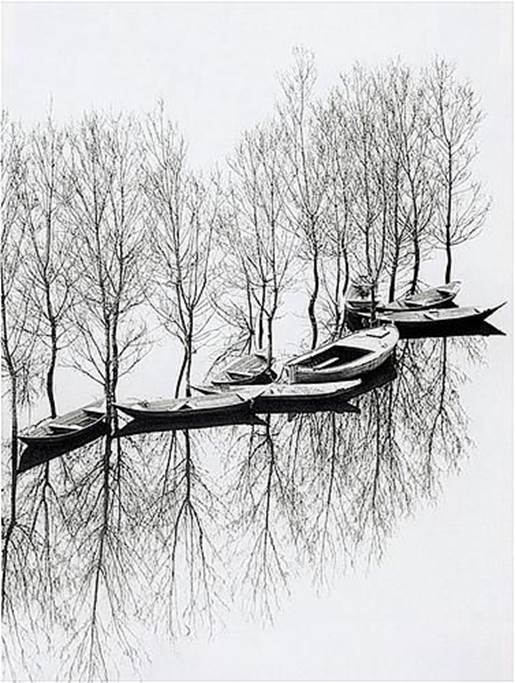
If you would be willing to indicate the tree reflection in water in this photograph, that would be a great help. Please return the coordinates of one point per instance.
(169, 530)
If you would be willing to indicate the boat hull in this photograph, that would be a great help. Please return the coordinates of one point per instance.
(438, 321)
(96, 428)
(180, 410)
(251, 369)
(373, 346)
(435, 297)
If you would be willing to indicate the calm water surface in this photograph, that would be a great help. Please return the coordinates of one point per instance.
(328, 544)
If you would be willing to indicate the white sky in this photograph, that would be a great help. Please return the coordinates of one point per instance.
(215, 64)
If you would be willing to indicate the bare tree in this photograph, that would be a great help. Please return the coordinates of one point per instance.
(105, 213)
(231, 293)
(48, 262)
(266, 245)
(336, 270)
(406, 126)
(19, 364)
(306, 158)
(184, 210)
(371, 208)
(453, 120)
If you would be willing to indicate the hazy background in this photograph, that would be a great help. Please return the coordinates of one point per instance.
(439, 607)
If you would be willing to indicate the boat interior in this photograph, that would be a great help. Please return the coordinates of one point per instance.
(334, 357)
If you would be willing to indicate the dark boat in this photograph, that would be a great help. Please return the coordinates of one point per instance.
(351, 356)
(250, 369)
(428, 321)
(179, 409)
(67, 429)
(33, 456)
(135, 427)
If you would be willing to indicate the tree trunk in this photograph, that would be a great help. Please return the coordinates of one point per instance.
(270, 323)
(14, 475)
(448, 218)
(448, 268)
(345, 286)
(51, 370)
(393, 275)
(261, 331)
(181, 372)
(189, 354)
(313, 300)
(416, 265)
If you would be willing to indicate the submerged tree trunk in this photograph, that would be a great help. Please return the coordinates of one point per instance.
(51, 370)
(313, 300)
(416, 264)
(14, 475)
(345, 287)
(393, 275)
(270, 322)
(181, 372)
(261, 316)
(448, 217)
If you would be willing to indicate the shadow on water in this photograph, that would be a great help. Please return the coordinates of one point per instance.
(171, 530)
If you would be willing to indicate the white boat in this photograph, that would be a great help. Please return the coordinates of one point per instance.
(349, 357)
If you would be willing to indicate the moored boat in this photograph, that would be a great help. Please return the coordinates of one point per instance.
(279, 393)
(66, 429)
(434, 297)
(250, 369)
(227, 403)
(299, 398)
(351, 356)
(430, 320)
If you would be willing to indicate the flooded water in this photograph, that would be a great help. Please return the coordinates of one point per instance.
(370, 539)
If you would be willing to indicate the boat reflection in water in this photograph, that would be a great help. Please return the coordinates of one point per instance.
(176, 527)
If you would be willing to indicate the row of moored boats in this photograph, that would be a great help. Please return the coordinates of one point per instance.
(336, 371)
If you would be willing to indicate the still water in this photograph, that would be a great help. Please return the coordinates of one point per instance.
(372, 543)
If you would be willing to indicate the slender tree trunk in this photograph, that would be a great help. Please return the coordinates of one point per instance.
(51, 369)
(189, 354)
(345, 286)
(14, 481)
(270, 322)
(181, 372)
(393, 275)
(261, 326)
(313, 300)
(448, 218)
(108, 379)
(337, 285)
(448, 268)
(250, 320)
(416, 264)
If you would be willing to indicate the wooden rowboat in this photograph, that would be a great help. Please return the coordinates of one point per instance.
(431, 320)
(227, 403)
(434, 297)
(282, 395)
(250, 369)
(67, 429)
(351, 356)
